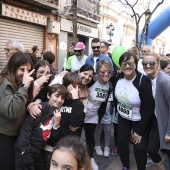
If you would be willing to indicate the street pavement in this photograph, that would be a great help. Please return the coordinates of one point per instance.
(113, 162)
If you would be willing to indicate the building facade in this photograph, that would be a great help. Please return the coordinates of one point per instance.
(87, 20)
(27, 21)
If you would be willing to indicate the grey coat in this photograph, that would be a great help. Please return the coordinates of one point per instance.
(162, 104)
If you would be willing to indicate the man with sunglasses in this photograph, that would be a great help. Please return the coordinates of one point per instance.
(97, 55)
(75, 62)
(13, 46)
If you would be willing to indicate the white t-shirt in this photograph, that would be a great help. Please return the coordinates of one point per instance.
(98, 94)
(76, 63)
(153, 82)
(94, 66)
(128, 100)
(140, 66)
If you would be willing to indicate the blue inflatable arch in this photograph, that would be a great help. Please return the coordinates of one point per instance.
(158, 25)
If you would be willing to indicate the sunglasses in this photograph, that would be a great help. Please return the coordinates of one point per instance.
(79, 51)
(6, 49)
(130, 63)
(151, 63)
(94, 47)
(143, 51)
(106, 71)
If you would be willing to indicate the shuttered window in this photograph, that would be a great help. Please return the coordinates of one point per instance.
(27, 33)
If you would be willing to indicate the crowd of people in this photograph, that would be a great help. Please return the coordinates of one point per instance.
(43, 113)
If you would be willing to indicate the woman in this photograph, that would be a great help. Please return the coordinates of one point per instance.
(35, 50)
(42, 77)
(86, 73)
(50, 57)
(15, 80)
(70, 153)
(98, 96)
(135, 105)
(160, 90)
(165, 66)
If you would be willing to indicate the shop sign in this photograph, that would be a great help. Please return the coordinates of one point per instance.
(22, 14)
(67, 25)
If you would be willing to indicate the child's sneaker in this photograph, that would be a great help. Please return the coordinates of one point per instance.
(124, 168)
(98, 150)
(114, 150)
(149, 162)
(94, 165)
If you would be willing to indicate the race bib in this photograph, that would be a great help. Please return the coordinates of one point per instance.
(110, 98)
(124, 110)
(99, 94)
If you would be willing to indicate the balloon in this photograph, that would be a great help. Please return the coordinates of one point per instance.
(116, 53)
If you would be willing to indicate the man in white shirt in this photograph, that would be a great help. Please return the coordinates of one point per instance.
(145, 49)
(75, 62)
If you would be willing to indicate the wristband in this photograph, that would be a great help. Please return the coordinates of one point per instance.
(56, 127)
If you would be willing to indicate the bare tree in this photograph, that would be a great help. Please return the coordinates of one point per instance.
(137, 17)
(74, 20)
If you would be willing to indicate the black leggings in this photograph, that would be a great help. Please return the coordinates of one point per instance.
(7, 152)
(89, 129)
(154, 143)
(124, 132)
(115, 133)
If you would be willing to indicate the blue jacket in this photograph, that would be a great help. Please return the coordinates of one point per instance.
(90, 60)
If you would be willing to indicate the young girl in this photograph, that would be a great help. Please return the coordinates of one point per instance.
(42, 77)
(15, 81)
(34, 133)
(70, 153)
(96, 107)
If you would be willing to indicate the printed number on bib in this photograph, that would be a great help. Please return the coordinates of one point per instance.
(124, 110)
(101, 95)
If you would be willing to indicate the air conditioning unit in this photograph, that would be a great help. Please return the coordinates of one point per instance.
(53, 27)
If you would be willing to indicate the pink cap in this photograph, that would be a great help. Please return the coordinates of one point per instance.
(79, 46)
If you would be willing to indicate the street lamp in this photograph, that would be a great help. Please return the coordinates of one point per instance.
(110, 28)
(147, 20)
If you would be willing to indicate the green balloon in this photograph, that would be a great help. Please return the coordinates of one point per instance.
(116, 53)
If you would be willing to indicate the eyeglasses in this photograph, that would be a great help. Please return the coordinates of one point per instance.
(79, 51)
(143, 51)
(151, 63)
(41, 72)
(106, 71)
(7, 49)
(130, 63)
(94, 47)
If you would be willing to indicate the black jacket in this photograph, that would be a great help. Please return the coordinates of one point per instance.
(72, 113)
(34, 133)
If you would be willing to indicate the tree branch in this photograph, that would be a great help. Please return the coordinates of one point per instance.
(135, 3)
(126, 13)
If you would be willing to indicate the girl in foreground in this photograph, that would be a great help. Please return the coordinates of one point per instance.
(71, 154)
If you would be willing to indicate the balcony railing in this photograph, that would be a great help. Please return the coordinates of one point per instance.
(86, 8)
(47, 4)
